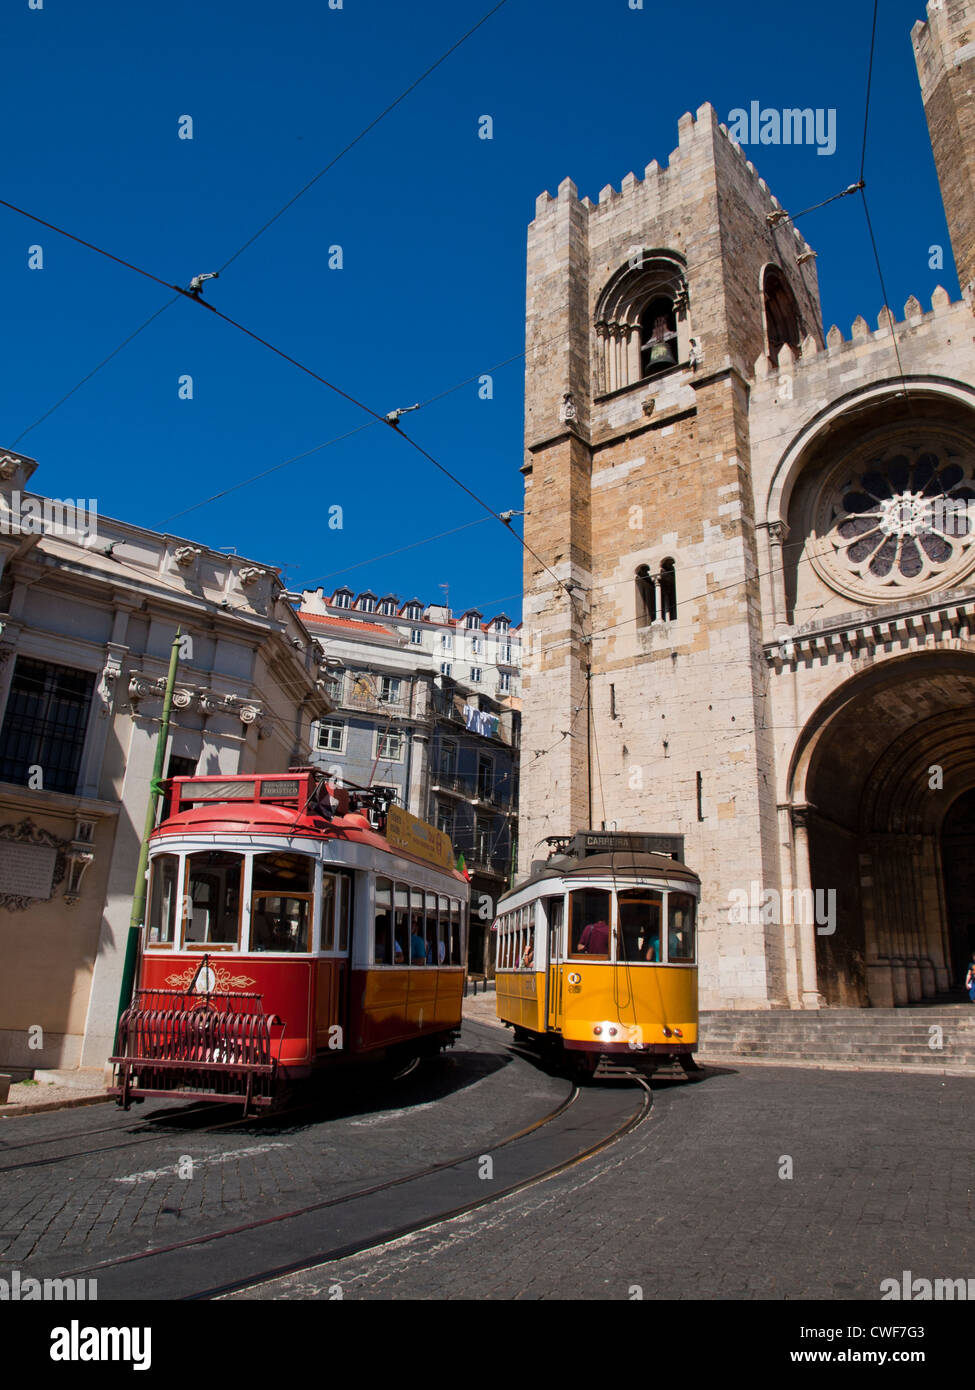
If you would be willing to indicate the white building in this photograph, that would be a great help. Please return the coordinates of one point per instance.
(89, 607)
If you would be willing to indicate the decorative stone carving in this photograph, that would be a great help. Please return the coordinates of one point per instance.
(250, 574)
(8, 466)
(695, 355)
(79, 861)
(182, 699)
(208, 702)
(186, 556)
(567, 410)
(143, 688)
(106, 686)
(30, 836)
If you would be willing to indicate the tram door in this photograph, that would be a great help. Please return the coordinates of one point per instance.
(553, 987)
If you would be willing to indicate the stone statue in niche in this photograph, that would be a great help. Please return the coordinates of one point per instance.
(567, 410)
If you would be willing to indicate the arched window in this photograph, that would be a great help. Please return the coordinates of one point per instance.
(646, 597)
(642, 324)
(668, 590)
(782, 324)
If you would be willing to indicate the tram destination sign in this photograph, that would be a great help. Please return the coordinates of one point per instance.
(586, 842)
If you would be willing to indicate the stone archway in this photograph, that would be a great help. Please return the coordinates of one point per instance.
(881, 764)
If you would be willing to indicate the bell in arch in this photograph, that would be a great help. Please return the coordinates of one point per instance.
(661, 355)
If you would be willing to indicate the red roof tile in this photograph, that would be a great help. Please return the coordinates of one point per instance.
(325, 620)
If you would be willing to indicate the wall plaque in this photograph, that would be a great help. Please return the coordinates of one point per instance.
(32, 864)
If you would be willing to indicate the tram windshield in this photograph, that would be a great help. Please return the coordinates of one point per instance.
(680, 927)
(213, 898)
(589, 918)
(281, 902)
(640, 913)
(163, 900)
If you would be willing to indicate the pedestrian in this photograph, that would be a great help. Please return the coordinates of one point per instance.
(970, 979)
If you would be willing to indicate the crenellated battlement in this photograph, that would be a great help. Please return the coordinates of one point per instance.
(860, 332)
(692, 129)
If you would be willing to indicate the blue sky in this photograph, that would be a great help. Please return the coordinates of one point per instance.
(431, 221)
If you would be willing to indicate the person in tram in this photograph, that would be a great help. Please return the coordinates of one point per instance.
(970, 979)
(594, 940)
(528, 959)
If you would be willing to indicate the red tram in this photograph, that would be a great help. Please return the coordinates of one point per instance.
(291, 925)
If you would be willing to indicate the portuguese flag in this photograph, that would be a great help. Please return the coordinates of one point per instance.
(462, 867)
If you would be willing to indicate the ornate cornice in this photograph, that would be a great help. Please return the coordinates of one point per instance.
(927, 628)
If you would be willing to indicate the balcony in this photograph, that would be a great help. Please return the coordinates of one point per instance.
(498, 798)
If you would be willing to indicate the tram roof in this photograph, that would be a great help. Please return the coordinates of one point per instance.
(618, 864)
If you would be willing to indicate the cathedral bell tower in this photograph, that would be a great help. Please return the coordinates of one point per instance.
(647, 311)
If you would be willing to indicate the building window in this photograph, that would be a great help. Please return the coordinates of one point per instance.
(177, 767)
(781, 314)
(504, 654)
(445, 668)
(416, 637)
(475, 646)
(388, 607)
(446, 641)
(389, 747)
(504, 682)
(501, 624)
(482, 841)
(389, 690)
(668, 590)
(472, 620)
(445, 819)
(413, 612)
(45, 724)
(646, 597)
(485, 776)
(448, 759)
(475, 675)
(331, 735)
(366, 604)
(342, 598)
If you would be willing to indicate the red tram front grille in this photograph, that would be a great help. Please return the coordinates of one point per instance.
(208, 1046)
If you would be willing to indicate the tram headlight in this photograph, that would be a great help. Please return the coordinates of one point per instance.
(598, 1030)
(678, 1033)
(612, 1032)
(666, 1031)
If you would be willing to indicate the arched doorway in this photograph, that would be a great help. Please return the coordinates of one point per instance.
(886, 777)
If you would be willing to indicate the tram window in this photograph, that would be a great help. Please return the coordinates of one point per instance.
(417, 945)
(279, 923)
(163, 896)
(345, 904)
(680, 927)
(383, 954)
(431, 931)
(443, 932)
(401, 923)
(527, 958)
(328, 912)
(554, 907)
(640, 914)
(456, 940)
(213, 898)
(281, 900)
(589, 914)
(283, 873)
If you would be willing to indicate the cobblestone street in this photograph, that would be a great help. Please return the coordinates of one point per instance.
(693, 1205)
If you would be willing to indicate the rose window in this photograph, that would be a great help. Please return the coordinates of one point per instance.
(900, 518)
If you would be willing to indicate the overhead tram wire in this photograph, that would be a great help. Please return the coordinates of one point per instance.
(280, 212)
(392, 419)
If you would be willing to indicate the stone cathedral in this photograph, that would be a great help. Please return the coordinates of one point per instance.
(762, 636)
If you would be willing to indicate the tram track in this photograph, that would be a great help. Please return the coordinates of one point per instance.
(581, 1126)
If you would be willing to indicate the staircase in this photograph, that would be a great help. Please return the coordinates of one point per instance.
(866, 1039)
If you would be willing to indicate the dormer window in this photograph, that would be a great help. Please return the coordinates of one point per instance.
(413, 612)
(501, 624)
(472, 620)
(342, 598)
(388, 607)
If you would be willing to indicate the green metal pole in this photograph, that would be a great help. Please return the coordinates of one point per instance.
(155, 791)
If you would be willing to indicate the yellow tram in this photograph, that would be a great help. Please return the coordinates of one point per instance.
(596, 953)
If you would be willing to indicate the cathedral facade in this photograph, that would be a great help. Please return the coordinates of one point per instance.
(755, 621)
